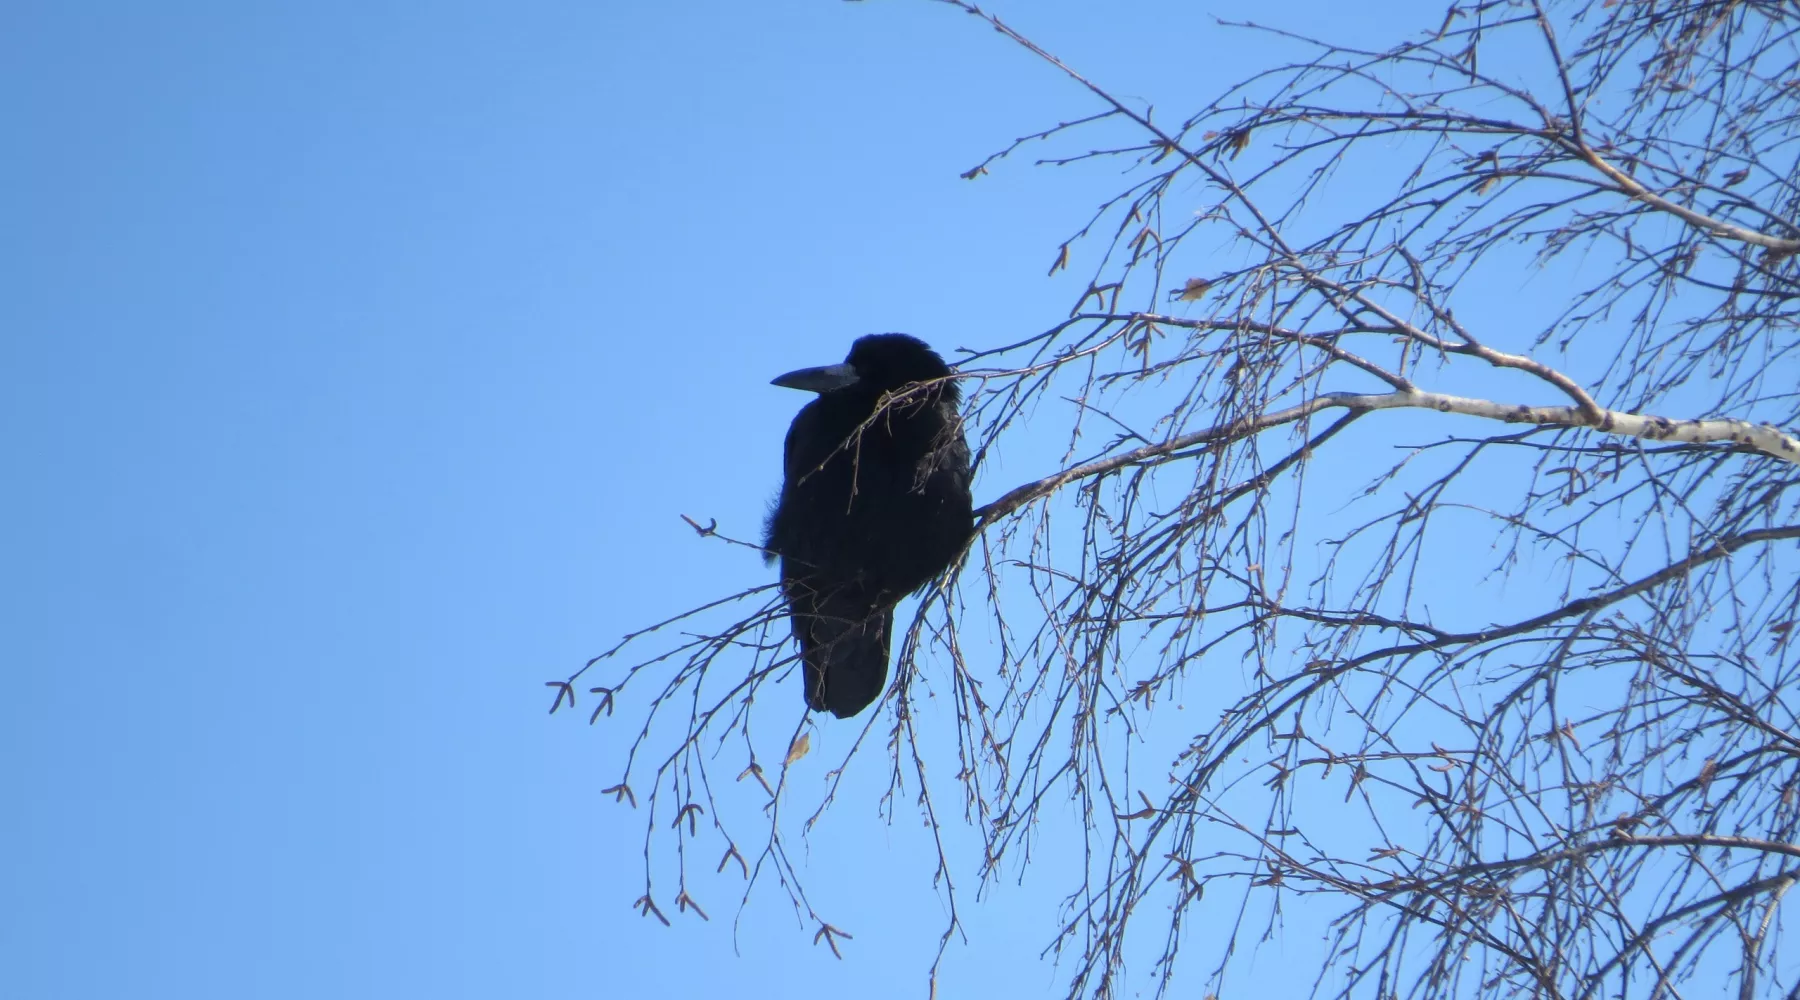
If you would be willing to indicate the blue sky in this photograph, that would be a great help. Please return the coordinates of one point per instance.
(358, 361)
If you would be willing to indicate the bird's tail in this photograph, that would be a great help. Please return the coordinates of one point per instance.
(844, 641)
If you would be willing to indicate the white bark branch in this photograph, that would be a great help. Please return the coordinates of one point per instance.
(1630, 186)
(1766, 438)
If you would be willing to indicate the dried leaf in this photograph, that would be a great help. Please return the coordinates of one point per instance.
(1192, 290)
(1148, 811)
(799, 749)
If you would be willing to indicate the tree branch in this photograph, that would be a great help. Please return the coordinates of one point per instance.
(1766, 438)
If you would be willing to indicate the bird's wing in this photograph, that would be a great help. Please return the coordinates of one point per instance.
(844, 634)
(810, 442)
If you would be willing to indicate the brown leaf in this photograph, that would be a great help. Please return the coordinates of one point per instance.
(1192, 290)
(799, 749)
(1148, 811)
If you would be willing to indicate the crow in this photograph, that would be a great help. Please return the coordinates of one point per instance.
(874, 504)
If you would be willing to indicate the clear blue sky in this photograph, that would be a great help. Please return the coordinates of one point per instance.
(358, 360)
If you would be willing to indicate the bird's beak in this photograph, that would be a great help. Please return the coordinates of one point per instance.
(824, 379)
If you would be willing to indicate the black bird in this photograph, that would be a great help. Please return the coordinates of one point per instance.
(875, 503)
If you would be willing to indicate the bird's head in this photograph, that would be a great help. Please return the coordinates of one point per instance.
(878, 363)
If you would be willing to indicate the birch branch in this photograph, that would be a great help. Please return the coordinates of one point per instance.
(1630, 186)
(1765, 438)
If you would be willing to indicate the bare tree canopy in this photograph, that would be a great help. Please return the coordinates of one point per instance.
(1422, 545)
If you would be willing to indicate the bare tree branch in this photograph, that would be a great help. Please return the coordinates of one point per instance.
(1511, 709)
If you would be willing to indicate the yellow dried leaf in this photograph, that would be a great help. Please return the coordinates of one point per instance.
(1193, 289)
(799, 749)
